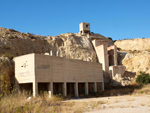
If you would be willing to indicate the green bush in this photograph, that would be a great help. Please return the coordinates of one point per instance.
(143, 78)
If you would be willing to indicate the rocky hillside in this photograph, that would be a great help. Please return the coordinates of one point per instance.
(139, 44)
(138, 54)
(137, 61)
(70, 45)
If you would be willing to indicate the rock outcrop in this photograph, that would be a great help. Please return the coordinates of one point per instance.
(139, 44)
(70, 45)
(137, 61)
(137, 56)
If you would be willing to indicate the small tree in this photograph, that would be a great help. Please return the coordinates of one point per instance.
(143, 78)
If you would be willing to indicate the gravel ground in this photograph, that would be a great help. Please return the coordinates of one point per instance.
(120, 104)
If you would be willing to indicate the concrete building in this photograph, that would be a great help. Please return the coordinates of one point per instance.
(57, 75)
(84, 28)
(115, 69)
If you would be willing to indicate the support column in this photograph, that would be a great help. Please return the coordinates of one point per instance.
(115, 56)
(95, 87)
(65, 89)
(86, 88)
(35, 89)
(17, 88)
(76, 90)
(50, 89)
(102, 86)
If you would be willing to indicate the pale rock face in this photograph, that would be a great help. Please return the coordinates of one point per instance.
(137, 61)
(138, 55)
(69, 45)
(139, 44)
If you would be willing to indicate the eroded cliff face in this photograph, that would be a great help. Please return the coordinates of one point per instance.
(70, 45)
(138, 55)
(137, 61)
(139, 44)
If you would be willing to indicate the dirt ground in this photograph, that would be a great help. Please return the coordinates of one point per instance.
(118, 104)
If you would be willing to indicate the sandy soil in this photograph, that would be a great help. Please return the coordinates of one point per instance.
(120, 104)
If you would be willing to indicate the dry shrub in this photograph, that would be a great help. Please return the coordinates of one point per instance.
(144, 90)
(18, 103)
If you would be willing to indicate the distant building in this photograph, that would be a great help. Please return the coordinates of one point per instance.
(84, 28)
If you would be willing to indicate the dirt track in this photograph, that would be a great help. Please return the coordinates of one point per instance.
(120, 104)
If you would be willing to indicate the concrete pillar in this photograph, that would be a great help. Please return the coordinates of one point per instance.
(35, 89)
(51, 53)
(102, 86)
(57, 53)
(17, 88)
(95, 86)
(86, 88)
(115, 56)
(50, 89)
(65, 89)
(76, 89)
(102, 54)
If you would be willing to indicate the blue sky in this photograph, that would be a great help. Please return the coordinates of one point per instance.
(119, 19)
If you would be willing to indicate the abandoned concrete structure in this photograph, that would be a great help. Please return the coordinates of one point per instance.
(58, 75)
(84, 28)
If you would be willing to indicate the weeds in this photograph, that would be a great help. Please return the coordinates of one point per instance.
(9, 56)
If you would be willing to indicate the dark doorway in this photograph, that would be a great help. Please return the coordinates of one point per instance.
(70, 90)
(91, 87)
(42, 88)
(99, 86)
(58, 88)
(27, 88)
(81, 88)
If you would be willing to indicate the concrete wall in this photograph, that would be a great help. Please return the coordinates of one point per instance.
(100, 47)
(57, 69)
(51, 70)
(83, 27)
(112, 51)
(25, 68)
(114, 70)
